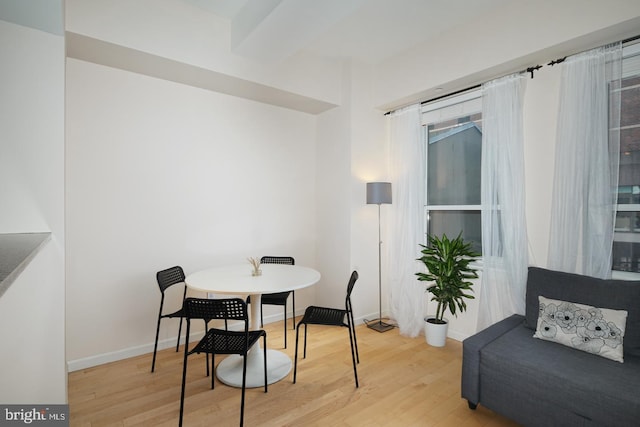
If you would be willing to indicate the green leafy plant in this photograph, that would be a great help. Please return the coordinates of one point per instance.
(448, 267)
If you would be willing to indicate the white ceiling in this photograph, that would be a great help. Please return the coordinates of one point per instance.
(365, 30)
(45, 15)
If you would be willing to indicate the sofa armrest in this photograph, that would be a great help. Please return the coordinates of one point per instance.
(471, 348)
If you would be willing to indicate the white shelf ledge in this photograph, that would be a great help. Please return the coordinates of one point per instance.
(16, 251)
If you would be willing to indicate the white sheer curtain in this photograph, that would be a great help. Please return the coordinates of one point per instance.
(504, 231)
(587, 160)
(407, 165)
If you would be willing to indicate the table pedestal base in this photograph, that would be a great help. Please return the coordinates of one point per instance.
(229, 371)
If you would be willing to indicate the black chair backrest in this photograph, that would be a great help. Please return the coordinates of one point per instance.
(277, 260)
(169, 277)
(352, 282)
(211, 309)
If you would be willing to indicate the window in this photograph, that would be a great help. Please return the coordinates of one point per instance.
(454, 147)
(626, 244)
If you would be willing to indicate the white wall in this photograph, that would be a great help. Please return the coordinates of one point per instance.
(504, 41)
(333, 196)
(500, 42)
(32, 356)
(160, 174)
(183, 32)
(32, 123)
(541, 105)
(350, 152)
(125, 131)
(369, 163)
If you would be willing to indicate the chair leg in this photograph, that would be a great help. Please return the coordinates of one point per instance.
(353, 352)
(206, 355)
(304, 355)
(155, 346)
(244, 383)
(355, 341)
(295, 360)
(264, 347)
(184, 381)
(180, 332)
(293, 313)
(261, 315)
(285, 324)
(213, 359)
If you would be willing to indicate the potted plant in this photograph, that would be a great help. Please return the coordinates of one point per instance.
(448, 268)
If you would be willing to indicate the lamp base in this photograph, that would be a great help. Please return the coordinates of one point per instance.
(379, 325)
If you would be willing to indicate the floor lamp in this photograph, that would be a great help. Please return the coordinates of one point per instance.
(379, 193)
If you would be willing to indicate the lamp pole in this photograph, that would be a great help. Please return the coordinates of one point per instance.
(378, 193)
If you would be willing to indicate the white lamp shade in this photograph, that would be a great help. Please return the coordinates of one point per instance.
(378, 193)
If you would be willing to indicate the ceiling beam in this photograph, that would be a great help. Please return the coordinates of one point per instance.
(112, 55)
(263, 29)
(44, 15)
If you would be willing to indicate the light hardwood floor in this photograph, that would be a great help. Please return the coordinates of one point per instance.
(403, 382)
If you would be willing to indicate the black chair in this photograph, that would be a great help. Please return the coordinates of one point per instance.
(166, 279)
(314, 315)
(278, 298)
(222, 341)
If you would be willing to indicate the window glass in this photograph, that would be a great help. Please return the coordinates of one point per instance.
(454, 149)
(453, 162)
(626, 245)
(453, 222)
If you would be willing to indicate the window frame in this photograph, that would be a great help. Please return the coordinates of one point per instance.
(452, 107)
(630, 67)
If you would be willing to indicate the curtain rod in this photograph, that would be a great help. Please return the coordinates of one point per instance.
(527, 70)
(458, 92)
(631, 39)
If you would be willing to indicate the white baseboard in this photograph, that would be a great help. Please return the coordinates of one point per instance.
(457, 335)
(126, 353)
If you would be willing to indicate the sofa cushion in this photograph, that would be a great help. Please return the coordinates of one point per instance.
(553, 375)
(472, 349)
(612, 294)
(599, 331)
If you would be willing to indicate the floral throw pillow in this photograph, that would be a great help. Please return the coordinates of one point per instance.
(594, 330)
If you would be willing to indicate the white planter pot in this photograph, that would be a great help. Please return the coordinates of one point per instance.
(435, 334)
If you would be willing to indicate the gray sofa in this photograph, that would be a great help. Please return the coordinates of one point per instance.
(541, 383)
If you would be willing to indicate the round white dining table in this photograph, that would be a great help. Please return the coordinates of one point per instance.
(238, 280)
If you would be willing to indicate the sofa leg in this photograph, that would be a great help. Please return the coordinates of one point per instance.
(472, 405)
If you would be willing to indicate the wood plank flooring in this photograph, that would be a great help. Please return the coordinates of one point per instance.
(403, 382)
